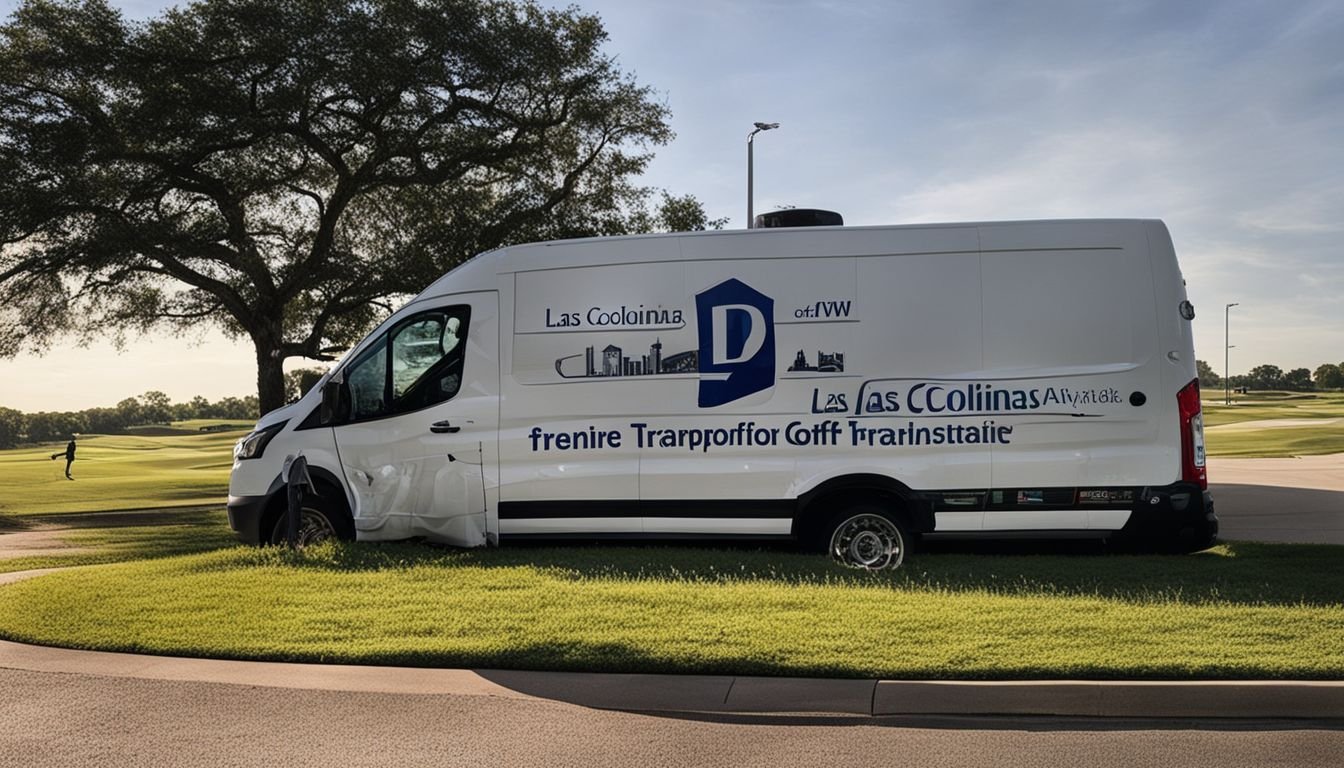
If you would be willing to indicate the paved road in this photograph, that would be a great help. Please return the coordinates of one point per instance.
(1285, 500)
(51, 719)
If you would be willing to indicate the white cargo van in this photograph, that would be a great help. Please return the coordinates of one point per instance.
(853, 388)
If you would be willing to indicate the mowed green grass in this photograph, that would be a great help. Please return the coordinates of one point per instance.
(180, 533)
(118, 472)
(1269, 442)
(1277, 443)
(1273, 405)
(1237, 611)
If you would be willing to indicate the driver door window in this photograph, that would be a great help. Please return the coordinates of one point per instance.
(424, 365)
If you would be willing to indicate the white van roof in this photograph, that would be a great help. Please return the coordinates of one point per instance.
(482, 271)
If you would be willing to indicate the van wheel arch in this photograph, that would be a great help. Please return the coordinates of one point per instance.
(817, 507)
(333, 502)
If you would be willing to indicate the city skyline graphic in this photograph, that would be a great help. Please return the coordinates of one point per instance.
(612, 362)
(827, 362)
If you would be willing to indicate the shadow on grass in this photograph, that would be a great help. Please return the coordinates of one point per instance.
(202, 515)
(113, 537)
(12, 523)
(1230, 573)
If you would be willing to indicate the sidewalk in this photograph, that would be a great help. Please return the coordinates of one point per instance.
(726, 694)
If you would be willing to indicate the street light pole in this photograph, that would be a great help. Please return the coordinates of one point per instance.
(751, 221)
(1227, 355)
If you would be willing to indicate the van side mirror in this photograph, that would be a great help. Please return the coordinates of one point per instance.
(330, 411)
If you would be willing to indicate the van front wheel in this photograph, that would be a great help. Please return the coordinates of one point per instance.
(317, 523)
(868, 537)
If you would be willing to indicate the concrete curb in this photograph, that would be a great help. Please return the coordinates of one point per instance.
(1138, 699)
(727, 694)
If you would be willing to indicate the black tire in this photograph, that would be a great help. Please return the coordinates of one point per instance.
(320, 519)
(866, 536)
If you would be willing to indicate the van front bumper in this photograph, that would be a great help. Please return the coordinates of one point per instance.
(245, 515)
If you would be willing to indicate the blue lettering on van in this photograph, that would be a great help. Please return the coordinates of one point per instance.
(931, 397)
(824, 310)
(737, 342)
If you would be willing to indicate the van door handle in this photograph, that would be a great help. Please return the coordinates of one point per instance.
(441, 427)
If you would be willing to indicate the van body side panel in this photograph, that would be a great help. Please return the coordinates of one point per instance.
(563, 398)
(1070, 318)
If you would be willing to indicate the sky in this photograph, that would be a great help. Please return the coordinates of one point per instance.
(1224, 119)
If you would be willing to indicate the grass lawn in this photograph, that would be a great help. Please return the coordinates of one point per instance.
(1264, 405)
(1277, 442)
(118, 472)
(188, 533)
(1236, 611)
(1301, 440)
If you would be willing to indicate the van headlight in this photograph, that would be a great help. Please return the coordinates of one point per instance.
(252, 446)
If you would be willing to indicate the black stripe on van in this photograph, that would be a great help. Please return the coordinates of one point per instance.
(619, 508)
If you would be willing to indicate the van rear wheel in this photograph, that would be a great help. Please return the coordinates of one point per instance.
(867, 537)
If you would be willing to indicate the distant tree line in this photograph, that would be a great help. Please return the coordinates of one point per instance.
(1326, 376)
(151, 408)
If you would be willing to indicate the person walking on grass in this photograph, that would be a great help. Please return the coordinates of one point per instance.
(69, 455)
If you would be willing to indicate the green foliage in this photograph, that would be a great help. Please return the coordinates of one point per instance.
(13, 427)
(1265, 377)
(1297, 380)
(155, 408)
(286, 170)
(676, 214)
(1207, 378)
(1329, 376)
(49, 426)
(1237, 611)
(299, 381)
(150, 408)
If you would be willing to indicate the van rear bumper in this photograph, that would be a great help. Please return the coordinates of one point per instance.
(1179, 515)
(245, 513)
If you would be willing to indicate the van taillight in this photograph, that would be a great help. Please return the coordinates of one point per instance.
(1192, 436)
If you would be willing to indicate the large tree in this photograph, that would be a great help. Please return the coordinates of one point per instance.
(1265, 377)
(1208, 378)
(1329, 376)
(285, 169)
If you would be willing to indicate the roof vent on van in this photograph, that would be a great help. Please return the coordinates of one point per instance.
(799, 217)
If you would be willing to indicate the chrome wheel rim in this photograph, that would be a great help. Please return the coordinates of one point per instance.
(868, 541)
(314, 528)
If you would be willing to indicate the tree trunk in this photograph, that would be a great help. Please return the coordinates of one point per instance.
(270, 379)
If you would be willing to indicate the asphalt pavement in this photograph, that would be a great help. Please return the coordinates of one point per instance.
(1299, 500)
(56, 719)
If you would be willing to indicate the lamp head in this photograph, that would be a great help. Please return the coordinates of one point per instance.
(765, 126)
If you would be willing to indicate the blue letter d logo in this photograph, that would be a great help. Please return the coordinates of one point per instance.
(737, 342)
